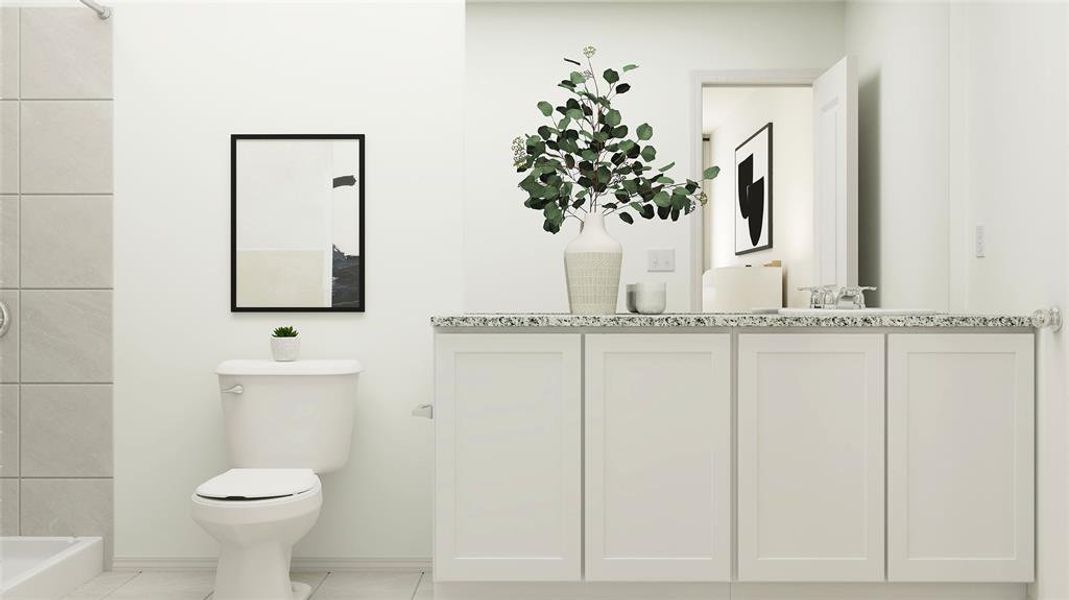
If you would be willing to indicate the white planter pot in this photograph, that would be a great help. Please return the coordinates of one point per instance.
(285, 349)
(592, 266)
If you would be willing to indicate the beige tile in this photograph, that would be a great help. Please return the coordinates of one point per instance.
(66, 336)
(65, 53)
(9, 430)
(425, 591)
(66, 431)
(9, 52)
(368, 585)
(65, 147)
(9, 507)
(66, 241)
(9, 241)
(167, 585)
(100, 586)
(67, 507)
(9, 146)
(9, 343)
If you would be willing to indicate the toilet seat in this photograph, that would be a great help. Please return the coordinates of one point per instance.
(244, 485)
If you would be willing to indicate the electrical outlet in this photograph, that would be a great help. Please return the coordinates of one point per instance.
(662, 260)
(980, 242)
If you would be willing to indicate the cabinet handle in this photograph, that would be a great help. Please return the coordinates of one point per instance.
(425, 411)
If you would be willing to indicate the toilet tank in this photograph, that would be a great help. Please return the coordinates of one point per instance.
(288, 414)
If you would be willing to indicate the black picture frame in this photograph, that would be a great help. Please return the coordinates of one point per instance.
(768, 187)
(235, 138)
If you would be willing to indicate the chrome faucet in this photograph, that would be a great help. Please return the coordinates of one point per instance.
(832, 296)
(852, 296)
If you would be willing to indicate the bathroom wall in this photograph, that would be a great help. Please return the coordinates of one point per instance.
(56, 272)
(184, 81)
(510, 263)
(790, 110)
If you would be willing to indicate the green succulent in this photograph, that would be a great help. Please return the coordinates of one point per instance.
(585, 159)
(284, 332)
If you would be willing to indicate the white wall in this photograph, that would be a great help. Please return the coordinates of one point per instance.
(901, 54)
(790, 110)
(510, 263)
(187, 76)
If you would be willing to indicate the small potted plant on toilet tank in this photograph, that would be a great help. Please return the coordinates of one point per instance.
(285, 345)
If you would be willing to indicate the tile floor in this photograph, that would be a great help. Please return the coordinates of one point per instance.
(197, 585)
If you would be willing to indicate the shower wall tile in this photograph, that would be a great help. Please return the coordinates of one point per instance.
(9, 507)
(9, 241)
(9, 430)
(9, 343)
(65, 53)
(9, 52)
(66, 336)
(66, 431)
(63, 507)
(66, 242)
(65, 147)
(9, 146)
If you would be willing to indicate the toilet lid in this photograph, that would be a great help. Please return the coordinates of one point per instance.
(258, 484)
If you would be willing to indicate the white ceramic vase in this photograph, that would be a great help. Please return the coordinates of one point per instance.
(285, 349)
(592, 265)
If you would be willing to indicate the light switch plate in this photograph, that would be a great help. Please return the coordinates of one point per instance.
(662, 260)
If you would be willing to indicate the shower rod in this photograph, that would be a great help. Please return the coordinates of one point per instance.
(102, 11)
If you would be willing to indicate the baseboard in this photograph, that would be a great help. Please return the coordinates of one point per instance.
(127, 563)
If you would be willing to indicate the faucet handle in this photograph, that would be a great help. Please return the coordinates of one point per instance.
(856, 293)
(816, 294)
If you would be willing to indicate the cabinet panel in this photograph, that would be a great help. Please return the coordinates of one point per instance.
(658, 457)
(508, 457)
(960, 457)
(811, 457)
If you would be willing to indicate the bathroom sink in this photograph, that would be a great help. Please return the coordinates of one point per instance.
(864, 312)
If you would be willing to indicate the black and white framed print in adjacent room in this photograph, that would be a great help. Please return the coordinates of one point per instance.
(297, 222)
(753, 192)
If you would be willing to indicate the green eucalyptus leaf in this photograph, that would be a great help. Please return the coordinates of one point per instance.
(611, 76)
(613, 117)
(574, 113)
(576, 77)
(710, 173)
(649, 154)
(545, 107)
(666, 167)
(647, 212)
(662, 199)
(627, 218)
(644, 131)
(622, 88)
(629, 68)
(665, 180)
(626, 145)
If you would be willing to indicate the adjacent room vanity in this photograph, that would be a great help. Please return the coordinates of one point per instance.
(734, 448)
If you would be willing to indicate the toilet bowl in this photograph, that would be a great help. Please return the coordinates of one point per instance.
(283, 423)
(257, 515)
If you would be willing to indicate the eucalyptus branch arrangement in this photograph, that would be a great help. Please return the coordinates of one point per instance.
(585, 160)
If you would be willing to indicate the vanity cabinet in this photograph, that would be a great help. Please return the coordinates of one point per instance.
(811, 457)
(658, 457)
(508, 457)
(749, 455)
(960, 457)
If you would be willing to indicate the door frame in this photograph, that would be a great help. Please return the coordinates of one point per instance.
(725, 78)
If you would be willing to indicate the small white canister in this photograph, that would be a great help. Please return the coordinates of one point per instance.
(647, 298)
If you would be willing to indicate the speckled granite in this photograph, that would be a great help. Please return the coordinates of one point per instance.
(727, 320)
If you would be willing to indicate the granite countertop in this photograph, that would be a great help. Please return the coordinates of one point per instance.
(559, 320)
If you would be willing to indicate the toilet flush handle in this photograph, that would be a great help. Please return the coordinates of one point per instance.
(237, 389)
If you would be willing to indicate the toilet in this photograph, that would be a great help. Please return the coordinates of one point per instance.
(284, 423)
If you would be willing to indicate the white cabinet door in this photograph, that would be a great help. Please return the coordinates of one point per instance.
(508, 448)
(960, 457)
(811, 457)
(658, 457)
